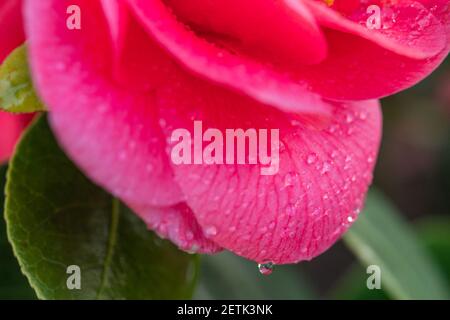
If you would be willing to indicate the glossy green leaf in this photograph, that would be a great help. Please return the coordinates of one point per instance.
(16, 88)
(381, 237)
(13, 284)
(227, 276)
(57, 218)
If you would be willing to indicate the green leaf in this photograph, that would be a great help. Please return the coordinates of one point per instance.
(352, 286)
(435, 234)
(381, 237)
(227, 276)
(16, 88)
(13, 285)
(57, 218)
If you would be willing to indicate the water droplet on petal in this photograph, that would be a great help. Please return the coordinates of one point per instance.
(162, 123)
(290, 179)
(265, 268)
(211, 231)
(311, 158)
(189, 235)
(349, 118)
(363, 115)
(325, 168)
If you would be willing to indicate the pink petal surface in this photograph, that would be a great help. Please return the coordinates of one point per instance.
(117, 16)
(11, 36)
(259, 27)
(293, 215)
(358, 68)
(407, 27)
(239, 72)
(11, 27)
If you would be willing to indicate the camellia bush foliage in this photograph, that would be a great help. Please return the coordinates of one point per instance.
(96, 207)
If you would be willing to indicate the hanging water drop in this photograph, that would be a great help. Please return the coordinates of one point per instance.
(265, 268)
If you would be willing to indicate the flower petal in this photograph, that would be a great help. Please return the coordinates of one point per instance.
(239, 72)
(406, 28)
(358, 68)
(296, 214)
(11, 27)
(117, 16)
(270, 29)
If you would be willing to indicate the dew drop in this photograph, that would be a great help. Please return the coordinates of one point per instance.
(349, 118)
(193, 249)
(311, 158)
(295, 123)
(265, 268)
(189, 235)
(325, 168)
(290, 179)
(363, 115)
(350, 131)
(333, 128)
(162, 123)
(211, 231)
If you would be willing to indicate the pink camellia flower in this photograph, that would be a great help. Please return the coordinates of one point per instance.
(132, 71)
